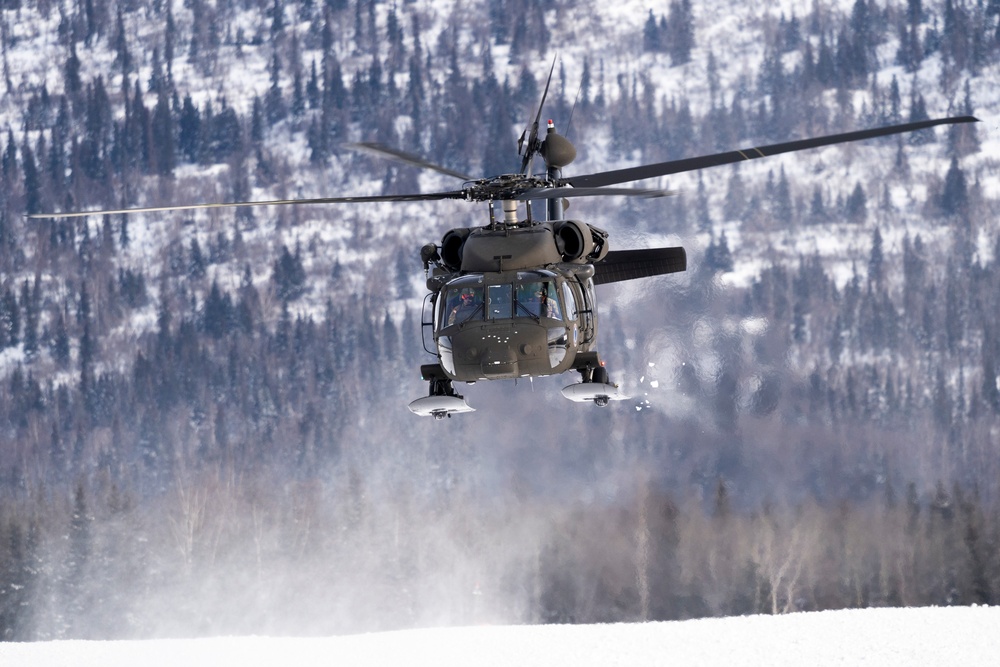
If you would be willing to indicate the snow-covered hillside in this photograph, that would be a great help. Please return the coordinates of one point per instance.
(606, 37)
(942, 637)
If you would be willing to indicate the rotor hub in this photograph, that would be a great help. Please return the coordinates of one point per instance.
(503, 187)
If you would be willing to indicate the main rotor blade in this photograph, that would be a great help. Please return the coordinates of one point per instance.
(563, 193)
(456, 194)
(532, 146)
(379, 150)
(692, 164)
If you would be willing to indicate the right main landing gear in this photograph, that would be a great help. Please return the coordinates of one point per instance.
(594, 386)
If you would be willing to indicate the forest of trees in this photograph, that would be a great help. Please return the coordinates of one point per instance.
(193, 440)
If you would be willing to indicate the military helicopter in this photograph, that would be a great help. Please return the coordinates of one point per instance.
(515, 297)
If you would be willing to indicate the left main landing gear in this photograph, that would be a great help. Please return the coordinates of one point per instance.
(442, 400)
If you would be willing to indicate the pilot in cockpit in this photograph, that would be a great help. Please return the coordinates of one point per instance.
(465, 306)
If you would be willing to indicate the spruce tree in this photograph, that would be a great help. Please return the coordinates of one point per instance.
(680, 32)
(652, 38)
(32, 180)
(876, 260)
(10, 320)
(162, 132)
(189, 130)
(955, 197)
(856, 206)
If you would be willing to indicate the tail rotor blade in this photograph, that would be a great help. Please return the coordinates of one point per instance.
(532, 144)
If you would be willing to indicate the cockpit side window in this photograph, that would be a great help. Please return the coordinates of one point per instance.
(570, 301)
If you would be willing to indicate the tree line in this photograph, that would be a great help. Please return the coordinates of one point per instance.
(222, 555)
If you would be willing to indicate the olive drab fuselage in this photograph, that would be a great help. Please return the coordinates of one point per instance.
(515, 302)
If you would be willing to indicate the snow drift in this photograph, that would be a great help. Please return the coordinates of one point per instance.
(930, 636)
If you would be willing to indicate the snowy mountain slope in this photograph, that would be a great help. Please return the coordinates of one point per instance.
(931, 636)
(594, 32)
(346, 248)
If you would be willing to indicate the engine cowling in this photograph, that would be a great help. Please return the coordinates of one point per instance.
(573, 239)
(451, 248)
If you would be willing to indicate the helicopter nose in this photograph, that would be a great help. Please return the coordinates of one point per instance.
(499, 359)
(502, 350)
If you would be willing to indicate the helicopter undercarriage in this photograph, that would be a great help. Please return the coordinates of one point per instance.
(443, 401)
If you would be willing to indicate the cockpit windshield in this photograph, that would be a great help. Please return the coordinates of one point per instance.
(533, 295)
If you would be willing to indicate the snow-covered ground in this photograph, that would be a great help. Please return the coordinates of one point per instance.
(934, 636)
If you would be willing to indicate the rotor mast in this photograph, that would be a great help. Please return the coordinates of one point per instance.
(555, 205)
(510, 212)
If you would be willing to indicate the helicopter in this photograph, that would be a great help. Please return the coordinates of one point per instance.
(515, 297)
